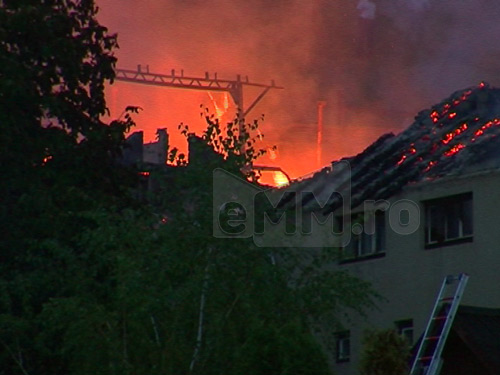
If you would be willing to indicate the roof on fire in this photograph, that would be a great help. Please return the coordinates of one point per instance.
(457, 136)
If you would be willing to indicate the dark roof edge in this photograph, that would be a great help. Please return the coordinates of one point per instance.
(450, 177)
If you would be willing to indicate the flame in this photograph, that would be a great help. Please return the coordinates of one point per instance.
(226, 101)
(219, 112)
(274, 178)
(259, 135)
(280, 179)
(272, 153)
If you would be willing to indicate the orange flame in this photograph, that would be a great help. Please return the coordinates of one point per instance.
(218, 110)
(280, 179)
(259, 135)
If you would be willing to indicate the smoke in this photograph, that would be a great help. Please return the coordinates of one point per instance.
(375, 63)
(418, 5)
(367, 9)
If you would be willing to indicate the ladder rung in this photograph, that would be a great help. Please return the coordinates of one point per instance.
(425, 358)
(442, 317)
(437, 330)
(433, 338)
(447, 299)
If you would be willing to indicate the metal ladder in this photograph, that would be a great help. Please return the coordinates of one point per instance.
(428, 358)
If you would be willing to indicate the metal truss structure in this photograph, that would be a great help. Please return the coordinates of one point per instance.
(233, 87)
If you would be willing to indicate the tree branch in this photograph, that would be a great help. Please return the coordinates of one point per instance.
(200, 318)
(19, 361)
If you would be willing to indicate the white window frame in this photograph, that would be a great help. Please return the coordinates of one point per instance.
(357, 249)
(343, 346)
(434, 212)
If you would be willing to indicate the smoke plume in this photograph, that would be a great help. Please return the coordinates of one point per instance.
(367, 9)
(375, 63)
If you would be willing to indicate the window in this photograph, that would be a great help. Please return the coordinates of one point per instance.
(405, 329)
(343, 346)
(367, 237)
(448, 220)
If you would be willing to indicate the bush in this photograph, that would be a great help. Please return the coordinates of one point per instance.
(385, 352)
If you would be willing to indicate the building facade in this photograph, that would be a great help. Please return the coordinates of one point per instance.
(457, 231)
(421, 205)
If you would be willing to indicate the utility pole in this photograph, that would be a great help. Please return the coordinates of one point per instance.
(319, 140)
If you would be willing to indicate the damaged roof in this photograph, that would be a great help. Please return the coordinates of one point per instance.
(457, 136)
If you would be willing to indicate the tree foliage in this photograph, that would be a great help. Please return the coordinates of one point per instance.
(385, 352)
(55, 59)
(259, 303)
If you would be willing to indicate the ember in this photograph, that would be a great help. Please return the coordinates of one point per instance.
(435, 145)
(488, 125)
(430, 165)
(449, 143)
(455, 149)
(403, 158)
(450, 129)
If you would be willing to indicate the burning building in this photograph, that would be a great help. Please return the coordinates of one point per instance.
(422, 204)
(137, 152)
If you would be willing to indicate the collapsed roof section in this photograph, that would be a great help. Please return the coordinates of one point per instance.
(456, 136)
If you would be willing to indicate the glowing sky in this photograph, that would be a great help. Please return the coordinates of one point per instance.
(375, 63)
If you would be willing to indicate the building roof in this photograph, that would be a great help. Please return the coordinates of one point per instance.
(473, 345)
(479, 329)
(457, 136)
